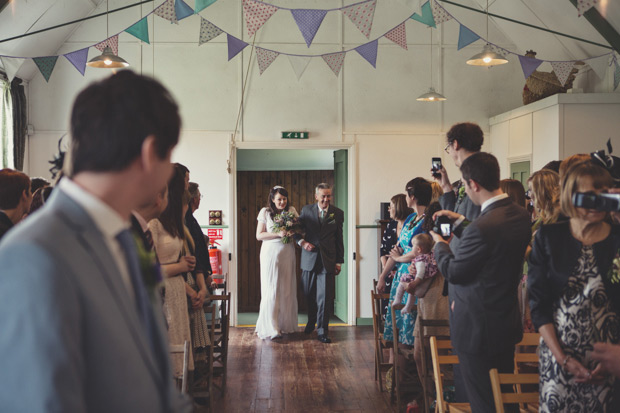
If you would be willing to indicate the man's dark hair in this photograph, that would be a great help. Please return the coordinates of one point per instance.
(193, 189)
(36, 183)
(111, 119)
(12, 185)
(421, 189)
(553, 166)
(483, 168)
(469, 135)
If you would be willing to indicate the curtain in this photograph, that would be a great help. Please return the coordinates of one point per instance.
(6, 125)
(20, 123)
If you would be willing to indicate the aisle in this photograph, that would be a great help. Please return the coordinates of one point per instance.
(298, 373)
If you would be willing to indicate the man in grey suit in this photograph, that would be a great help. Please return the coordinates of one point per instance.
(81, 321)
(484, 271)
(321, 257)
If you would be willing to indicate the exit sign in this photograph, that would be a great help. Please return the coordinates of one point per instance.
(294, 135)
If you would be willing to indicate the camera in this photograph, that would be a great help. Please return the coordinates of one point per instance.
(436, 167)
(443, 227)
(600, 202)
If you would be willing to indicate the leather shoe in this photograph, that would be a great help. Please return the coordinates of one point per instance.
(309, 328)
(324, 339)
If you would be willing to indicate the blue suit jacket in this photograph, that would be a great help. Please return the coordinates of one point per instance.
(71, 339)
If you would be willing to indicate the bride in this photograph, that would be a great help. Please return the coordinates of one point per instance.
(278, 306)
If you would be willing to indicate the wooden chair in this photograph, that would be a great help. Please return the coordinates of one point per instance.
(380, 344)
(424, 336)
(530, 400)
(220, 344)
(441, 354)
(207, 391)
(410, 375)
(181, 380)
(525, 351)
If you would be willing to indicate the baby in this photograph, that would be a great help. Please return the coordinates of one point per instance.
(423, 267)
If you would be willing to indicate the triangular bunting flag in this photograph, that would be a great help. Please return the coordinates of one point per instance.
(369, 52)
(499, 50)
(11, 66)
(234, 46)
(200, 5)
(427, 15)
(334, 61)
(466, 37)
(440, 15)
(256, 14)
(264, 58)
(167, 11)
(308, 22)
(562, 70)
(599, 65)
(584, 5)
(616, 74)
(529, 64)
(299, 64)
(208, 31)
(182, 9)
(112, 42)
(46, 65)
(361, 15)
(140, 30)
(398, 35)
(78, 59)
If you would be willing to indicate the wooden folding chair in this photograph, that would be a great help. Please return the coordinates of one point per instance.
(530, 400)
(410, 375)
(181, 380)
(380, 344)
(526, 352)
(207, 391)
(445, 358)
(425, 327)
(220, 344)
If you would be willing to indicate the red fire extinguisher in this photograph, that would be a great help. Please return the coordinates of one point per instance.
(215, 257)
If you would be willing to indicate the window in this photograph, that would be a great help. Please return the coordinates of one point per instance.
(6, 125)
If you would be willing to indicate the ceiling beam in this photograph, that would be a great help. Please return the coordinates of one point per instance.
(602, 26)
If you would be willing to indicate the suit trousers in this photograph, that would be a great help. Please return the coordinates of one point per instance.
(474, 370)
(314, 284)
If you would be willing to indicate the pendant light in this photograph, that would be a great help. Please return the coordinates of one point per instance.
(487, 57)
(431, 95)
(107, 59)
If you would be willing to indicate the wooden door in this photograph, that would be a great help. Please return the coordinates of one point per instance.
(252, 194)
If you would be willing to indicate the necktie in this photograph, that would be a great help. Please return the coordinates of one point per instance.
(149, 239)
(322, 215)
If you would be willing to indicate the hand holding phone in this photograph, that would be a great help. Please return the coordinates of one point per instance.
(436, 167)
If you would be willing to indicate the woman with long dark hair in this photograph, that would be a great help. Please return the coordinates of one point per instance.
(278, 305)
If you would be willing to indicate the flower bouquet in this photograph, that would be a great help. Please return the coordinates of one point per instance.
(286, 221)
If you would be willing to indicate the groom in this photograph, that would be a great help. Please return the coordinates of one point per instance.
(321, 257)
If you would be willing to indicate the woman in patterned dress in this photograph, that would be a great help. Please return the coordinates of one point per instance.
(575, 297)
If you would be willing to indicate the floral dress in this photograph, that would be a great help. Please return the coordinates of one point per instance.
(583, 315)
(404, 322)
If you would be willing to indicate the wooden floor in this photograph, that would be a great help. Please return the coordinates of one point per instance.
(300, 374)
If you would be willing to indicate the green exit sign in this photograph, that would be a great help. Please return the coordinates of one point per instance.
(294, 135)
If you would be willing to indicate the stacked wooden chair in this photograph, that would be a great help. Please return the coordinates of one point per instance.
(220, 343)
(442, 355)
(425, 330)
(206, 391)
(401, 376)
(381, 365)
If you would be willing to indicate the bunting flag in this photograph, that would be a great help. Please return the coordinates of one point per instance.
(264, 58)
(140, 30)
(466, 37)
(369, 52)
(299, 64)
(208, 31)
(562, 70)
(11, 66)
(616, 74)
(78, 59)
(200, 5)
(334, 61)
(167, 11)
(529, 64)
(46, 65)
(398, 35)
(440, 15)
(427, 15)
(599, 65)
(361, 15)
(112, 42)
(584, 5)
(308, 21)
(234, 46)
(500, 51)
(256, 14)
(182, 9)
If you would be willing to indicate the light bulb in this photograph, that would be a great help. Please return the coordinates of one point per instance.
(108, 62)
(487, 59)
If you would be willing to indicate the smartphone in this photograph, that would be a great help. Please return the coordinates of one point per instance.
(436, 167)
(446, 230)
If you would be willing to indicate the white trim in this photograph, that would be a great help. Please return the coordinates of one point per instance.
(520, 158)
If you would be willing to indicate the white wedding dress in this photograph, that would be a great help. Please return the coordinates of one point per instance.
(278, 280)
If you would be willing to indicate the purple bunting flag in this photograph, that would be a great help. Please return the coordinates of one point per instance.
(46, 65)
(308, 22)
(234, 46)
(369, 52)
(78, 59)
(529, 64)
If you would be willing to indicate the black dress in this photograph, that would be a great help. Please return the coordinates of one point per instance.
(387, 243)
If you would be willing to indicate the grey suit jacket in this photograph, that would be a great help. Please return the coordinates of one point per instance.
(327, 237)
(484, 271)
(71, 337)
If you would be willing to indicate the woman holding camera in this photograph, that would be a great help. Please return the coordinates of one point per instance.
(574, 287)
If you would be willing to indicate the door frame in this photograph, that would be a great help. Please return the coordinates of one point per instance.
(232, 280)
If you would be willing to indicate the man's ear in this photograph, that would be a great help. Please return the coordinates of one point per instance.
(474, 185)
(455, 145)
(148, 155)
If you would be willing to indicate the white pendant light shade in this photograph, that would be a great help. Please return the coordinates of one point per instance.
(107, 60)
(487, 58)
(431, 96)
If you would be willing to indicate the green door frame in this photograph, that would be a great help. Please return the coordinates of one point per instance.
(341, 193)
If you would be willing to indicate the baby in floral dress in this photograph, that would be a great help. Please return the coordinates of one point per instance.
(423, 267)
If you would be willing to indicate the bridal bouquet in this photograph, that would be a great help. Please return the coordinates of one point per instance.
(286, 221)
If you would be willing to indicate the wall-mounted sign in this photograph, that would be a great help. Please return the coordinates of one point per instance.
(294, 135)
(215, 234)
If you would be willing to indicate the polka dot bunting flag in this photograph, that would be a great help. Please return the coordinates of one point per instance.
(256, 14)
(362, 15)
